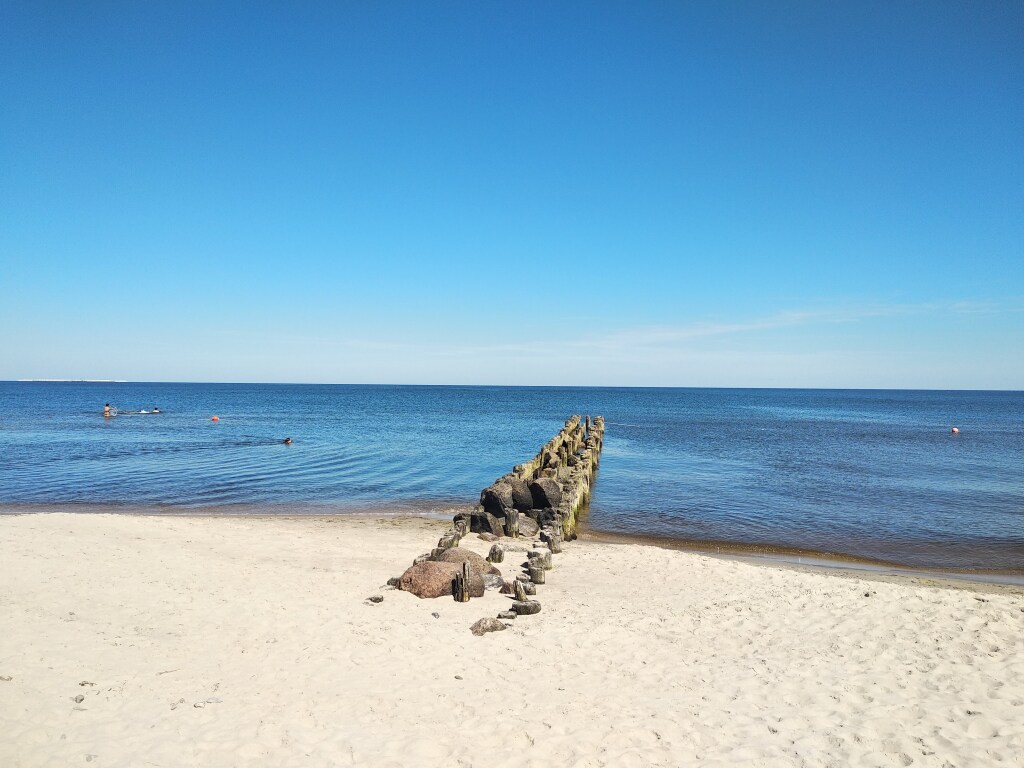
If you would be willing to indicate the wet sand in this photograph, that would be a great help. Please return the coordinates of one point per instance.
(214, 641)
(795, 557)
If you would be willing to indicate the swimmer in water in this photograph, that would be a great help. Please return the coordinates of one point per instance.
(155, 410)
(106, 409)
(287, 441)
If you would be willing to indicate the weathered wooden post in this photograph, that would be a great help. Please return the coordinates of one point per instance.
(536, 572)
(558, 484)
(540, 557)
(462, 584)
(512, 522)
(449, 540)
(520, 591)
(555, 544)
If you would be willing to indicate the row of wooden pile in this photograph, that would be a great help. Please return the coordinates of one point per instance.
(540, 499)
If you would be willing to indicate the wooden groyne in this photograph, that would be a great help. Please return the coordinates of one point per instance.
(551, 488)
(541, 499)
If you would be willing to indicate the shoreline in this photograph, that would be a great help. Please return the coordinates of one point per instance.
(757, 554)
(809, 559)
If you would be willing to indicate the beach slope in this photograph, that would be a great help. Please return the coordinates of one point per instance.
(190, 641)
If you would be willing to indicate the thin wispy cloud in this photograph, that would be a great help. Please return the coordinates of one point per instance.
(820, 346)
(673, 335)
(669, 336)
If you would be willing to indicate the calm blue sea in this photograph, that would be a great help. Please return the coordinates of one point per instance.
(873, 474)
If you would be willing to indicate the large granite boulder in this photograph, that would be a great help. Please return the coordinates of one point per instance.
(545, 492)
(436, 579)
(459, 555)
(496, 499)
(522, 499)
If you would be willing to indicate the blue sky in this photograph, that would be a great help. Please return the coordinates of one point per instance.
(665, 194)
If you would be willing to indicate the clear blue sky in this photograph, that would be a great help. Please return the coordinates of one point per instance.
(681, 194)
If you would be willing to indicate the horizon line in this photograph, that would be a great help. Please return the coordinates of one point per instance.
(495, 386)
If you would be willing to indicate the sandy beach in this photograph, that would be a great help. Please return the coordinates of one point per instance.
(192, 641)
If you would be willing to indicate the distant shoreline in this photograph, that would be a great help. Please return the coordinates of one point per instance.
(463, 385)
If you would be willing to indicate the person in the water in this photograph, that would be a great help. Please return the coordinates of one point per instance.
(155, 410)
(287, 441)
(106, 409)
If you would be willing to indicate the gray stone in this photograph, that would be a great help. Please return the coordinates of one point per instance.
(507, 615)
(484, 626)
(527, 526)
(526, 607)
(493, 581)
(376, 598)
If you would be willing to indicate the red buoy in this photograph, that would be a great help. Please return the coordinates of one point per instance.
(215, 418)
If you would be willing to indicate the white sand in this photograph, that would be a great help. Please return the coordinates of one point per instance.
(641, 656)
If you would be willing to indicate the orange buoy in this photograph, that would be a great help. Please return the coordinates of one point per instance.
(955, 431)
(215, 418)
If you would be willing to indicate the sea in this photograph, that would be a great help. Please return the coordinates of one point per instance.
(875, 476)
